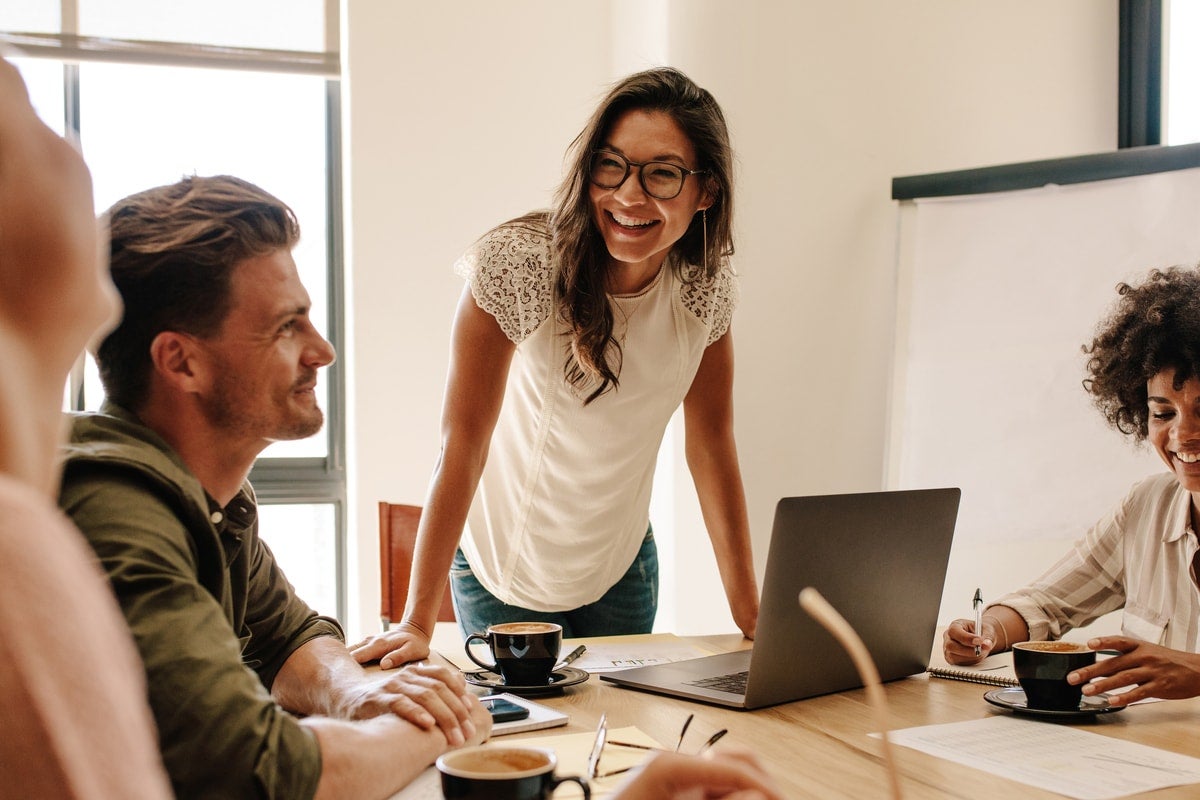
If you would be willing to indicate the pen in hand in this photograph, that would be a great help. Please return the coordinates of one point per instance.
(977, 603)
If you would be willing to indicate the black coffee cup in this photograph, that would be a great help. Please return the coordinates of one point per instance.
(1042, 669)
(491, 772)
(525, 652)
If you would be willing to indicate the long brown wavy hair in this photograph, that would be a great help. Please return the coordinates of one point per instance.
(580, 255)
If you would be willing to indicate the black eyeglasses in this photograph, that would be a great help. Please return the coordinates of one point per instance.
(602, 740)
(660, 179)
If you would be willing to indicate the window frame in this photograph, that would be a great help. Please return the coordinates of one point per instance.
(276, 480)
(1140, 73)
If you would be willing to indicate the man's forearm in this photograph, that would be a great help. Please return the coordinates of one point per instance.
(318, 678)
(372, 758)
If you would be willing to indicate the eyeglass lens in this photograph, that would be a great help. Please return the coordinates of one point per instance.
(660, 179)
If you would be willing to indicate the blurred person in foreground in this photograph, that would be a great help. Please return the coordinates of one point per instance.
(73, 715)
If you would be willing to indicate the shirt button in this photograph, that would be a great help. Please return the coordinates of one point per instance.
(216, 517)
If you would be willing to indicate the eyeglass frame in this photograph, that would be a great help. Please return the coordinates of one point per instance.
(629, 165)
(601, 741)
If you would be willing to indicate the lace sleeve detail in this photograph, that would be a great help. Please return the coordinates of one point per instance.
(713, 301)
(511, 278)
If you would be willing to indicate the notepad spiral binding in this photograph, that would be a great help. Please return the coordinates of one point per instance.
(973, 676)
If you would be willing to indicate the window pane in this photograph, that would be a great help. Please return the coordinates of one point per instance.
(30, 16)
(44, 80)
(271, 24)
(148, 126)
(1183, 74)
(303, 540)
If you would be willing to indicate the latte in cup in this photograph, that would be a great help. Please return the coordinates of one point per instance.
(525, 627)
(498, 760)
(1054, 647)
(490, 772)
(1042, 669)
(524, 653)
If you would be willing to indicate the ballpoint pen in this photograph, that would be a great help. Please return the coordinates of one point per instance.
(598, 747)
(978, 605)
(571, 656)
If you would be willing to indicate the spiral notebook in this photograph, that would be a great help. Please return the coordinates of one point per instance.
(994, 670)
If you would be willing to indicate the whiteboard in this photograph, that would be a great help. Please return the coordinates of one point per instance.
(996, 294)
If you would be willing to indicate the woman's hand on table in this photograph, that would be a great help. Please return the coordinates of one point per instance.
(404, 643)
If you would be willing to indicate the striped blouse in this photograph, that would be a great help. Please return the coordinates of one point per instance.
(1137, 558)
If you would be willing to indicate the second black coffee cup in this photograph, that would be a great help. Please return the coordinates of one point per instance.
(1042, 669)
(525, 652)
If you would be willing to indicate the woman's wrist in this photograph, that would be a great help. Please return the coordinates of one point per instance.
(997, 623)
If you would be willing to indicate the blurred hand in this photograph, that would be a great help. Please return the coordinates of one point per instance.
(731, 774)
(1156, 671)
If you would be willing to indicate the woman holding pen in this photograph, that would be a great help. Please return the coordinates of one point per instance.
(1143, 372)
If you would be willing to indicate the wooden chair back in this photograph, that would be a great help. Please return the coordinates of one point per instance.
(397, 540)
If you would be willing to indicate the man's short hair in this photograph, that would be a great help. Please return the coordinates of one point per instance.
(173, 253)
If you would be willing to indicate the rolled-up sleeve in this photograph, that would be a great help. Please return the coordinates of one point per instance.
(1086, 583)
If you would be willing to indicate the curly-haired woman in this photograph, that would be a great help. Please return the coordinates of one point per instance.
(580, 332)
(1144, 376)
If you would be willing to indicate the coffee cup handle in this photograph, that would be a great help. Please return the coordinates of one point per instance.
(470, 655)
(581, 782)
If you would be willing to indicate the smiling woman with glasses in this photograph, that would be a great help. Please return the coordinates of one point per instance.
(581, 330)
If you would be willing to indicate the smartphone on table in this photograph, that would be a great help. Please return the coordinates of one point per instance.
(504, 710)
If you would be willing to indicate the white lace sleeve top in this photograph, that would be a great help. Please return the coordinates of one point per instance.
(563, 503)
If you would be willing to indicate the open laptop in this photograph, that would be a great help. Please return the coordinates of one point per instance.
(880, 560)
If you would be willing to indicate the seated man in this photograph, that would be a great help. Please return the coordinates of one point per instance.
(73, 717)
(255, 695)
(1144, 377)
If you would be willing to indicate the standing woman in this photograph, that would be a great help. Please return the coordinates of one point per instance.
(579, 333)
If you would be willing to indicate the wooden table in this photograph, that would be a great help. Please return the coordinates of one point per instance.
(820, 747)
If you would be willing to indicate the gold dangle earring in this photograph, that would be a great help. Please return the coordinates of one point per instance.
(704, 237)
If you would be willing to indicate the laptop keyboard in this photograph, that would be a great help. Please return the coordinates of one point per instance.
(734, 683)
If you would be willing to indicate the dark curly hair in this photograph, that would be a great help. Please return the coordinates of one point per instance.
(1155, 325)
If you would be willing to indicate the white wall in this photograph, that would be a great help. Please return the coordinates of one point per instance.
(458, 116)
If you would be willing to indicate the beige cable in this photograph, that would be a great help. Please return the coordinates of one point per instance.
(819, 609)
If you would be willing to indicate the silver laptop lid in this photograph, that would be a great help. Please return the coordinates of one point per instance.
(880, 559)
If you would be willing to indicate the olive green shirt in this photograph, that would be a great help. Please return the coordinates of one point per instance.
(211, 613)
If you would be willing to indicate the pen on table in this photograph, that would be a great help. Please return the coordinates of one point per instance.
(978, 604)
(571, 656)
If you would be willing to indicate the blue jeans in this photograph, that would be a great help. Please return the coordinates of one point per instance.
(628, 606)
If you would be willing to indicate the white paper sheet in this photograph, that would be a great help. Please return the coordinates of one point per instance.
(612, 657)
(1057, 758)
